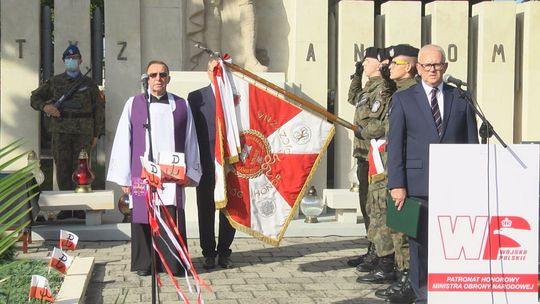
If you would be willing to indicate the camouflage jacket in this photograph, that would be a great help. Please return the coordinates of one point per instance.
(363, 101)
(82, 113)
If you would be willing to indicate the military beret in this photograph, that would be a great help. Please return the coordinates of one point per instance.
(372, 52)
(71, 50)
(403, 50)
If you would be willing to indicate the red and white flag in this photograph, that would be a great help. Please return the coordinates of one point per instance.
(280, 148)
(68, 240)
(60, 261)
(39, 289)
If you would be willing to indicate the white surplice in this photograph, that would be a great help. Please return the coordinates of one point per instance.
(162, 124)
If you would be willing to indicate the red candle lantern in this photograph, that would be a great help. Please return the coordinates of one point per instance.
(82, 176)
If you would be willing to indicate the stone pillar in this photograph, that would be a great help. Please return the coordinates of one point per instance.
(447, 25)
(494, 41)
(162, 30)
(308, 60)
(355, 33)
(402, 22)
(72, 25)
(122, 63)
(20, 74)
(528, 78)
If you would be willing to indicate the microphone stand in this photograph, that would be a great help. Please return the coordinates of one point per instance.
(153, 190)
(486, 129)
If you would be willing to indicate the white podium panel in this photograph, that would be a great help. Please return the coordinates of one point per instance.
(483, 224)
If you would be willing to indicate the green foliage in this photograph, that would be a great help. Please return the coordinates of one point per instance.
(14, 201)
(16, 276)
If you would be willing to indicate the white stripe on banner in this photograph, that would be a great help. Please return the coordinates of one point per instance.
(269, 210)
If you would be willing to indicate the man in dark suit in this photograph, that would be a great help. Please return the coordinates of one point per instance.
(203, 107)
(429, 112)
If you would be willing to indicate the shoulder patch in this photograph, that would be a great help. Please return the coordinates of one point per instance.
(375, 106)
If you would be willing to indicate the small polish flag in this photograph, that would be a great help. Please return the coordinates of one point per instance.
(60, 261)
(68, 240)
(39, 289)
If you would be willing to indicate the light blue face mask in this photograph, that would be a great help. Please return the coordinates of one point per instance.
(72, 65)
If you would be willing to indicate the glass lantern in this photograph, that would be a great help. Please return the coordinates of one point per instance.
(123, 207)
(353, 178)
(82, 176)
(311, 206)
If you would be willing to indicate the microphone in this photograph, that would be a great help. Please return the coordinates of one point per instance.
(144, 80)
(207, 50)
(449, 79)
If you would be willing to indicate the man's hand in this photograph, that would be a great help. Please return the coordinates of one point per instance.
(358, 132)
(359, 69)
(125, 189)
(51, 110)
(385, 71)
(398, 195)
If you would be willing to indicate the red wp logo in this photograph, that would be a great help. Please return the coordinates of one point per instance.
(476, 237)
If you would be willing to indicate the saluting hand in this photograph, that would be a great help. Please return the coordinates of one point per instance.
(51, 110)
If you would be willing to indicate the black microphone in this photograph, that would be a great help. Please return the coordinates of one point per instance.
(449, 79)
(144, 80)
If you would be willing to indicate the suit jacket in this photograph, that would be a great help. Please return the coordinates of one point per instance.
(203, 107)
(412, 130)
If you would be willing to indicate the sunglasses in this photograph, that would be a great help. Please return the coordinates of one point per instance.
(161, 75)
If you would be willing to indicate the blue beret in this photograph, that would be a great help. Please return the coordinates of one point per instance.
(72, 49)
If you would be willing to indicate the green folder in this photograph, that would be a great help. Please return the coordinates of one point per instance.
(404, 220)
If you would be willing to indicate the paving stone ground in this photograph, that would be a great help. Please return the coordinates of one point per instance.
(301, 270)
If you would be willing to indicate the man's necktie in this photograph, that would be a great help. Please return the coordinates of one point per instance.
(435, 111)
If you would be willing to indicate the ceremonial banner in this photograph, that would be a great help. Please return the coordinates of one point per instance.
(60, 261)
(68, 240)
(39, 289)
(483, 224)
(280, 148)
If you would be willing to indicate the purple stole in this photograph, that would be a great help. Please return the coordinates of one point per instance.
(139, 117)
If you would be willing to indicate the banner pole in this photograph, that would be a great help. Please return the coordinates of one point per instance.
(313, 107)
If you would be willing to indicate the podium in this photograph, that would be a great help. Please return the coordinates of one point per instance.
(483, 224)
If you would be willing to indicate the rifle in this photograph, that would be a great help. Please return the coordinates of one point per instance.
(70, 91)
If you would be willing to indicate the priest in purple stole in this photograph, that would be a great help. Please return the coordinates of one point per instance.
(172, 130)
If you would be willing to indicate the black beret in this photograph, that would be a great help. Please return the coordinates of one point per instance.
(373, 52)
(403, 50)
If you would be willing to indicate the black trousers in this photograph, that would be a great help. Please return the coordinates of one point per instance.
(206, 212)
(141, 244)
(418, 249)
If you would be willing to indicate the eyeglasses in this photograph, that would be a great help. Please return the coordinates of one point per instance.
(428, 66)
(161, 75)
(399, 62)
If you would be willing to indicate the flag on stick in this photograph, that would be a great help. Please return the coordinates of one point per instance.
(39, 289)
(280, 148)
(60, 261)
(68, 240)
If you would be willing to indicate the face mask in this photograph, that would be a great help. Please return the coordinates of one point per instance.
(71, 65)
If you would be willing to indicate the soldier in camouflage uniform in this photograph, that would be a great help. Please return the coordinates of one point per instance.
(358, 98)
(403, 72)
(362, 99)
(380, 269)
(77, 124)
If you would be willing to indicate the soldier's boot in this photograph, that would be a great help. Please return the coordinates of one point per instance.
(361, 258)
(405, 295)
(382, 273)
(370, 261)
(401, 277)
